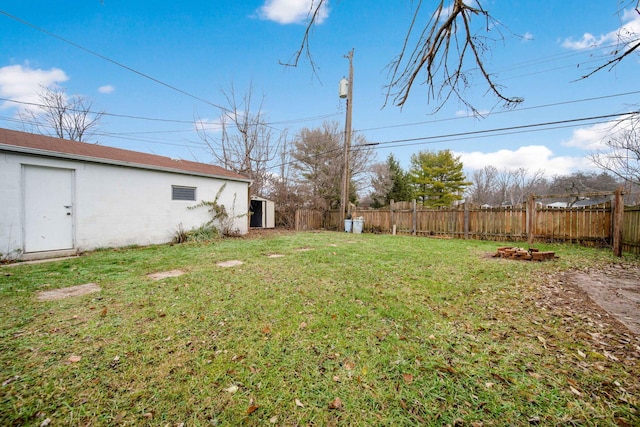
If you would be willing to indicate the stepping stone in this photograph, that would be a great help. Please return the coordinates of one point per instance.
(165, 274)
(71, 291)
(231, 263)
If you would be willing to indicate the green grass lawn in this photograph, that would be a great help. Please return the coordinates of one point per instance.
(354, 330)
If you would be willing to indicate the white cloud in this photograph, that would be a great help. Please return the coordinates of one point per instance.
(292, 11)
(21, 83)
(588, 138)
(106, 89)
(209, 125)
(532, 158)
(527, 37)
(623, 35)
(594, 137)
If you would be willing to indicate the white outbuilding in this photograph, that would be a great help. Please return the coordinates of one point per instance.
(61, 197)
(262, 213)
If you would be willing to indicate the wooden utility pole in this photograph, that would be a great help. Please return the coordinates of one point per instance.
(344, 204)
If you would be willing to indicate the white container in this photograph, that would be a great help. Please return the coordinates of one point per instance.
(358, 224)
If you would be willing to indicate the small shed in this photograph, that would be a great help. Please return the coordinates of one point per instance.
(262, 213)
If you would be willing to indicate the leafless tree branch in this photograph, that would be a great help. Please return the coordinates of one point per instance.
(622, 153)
(62, 116)
(440, 54)
(244, 142)
(613, 62)
(314, 11)
(435, 54)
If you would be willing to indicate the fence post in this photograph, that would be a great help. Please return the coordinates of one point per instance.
(391, 216)
(618, 221)
(415, 217)
(466, 219)
(531, 219)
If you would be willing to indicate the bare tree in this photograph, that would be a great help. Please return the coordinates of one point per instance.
(444, 48)
(513, 186)
(381, 183)
(583, 182)
(576, 185)
(282, 189)
(62, 116)
(484, 186)
(524, 183)
(318, 155)
(242, 141)
(621, 156)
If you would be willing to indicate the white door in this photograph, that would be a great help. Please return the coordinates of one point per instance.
(48, 209)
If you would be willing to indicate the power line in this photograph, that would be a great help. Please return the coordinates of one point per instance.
(199, 146)
(508, 128)
(158, 119)
(164, 120)
(532, 127)
(575, 101)
(559, 56)
(501, 133)
(78, 46)
(119, 64)
(144, 75)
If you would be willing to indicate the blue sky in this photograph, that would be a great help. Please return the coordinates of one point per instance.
(202, 47)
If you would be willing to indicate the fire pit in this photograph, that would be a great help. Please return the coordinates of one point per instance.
(522, 254)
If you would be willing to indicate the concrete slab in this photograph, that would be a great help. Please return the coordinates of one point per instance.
(231, 263)
(71, 291)
(165, 274)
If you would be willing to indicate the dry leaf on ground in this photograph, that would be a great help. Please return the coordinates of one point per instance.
(335, 403)
(231, 389)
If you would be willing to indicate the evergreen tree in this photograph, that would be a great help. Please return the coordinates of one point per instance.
(401, 189)
(389, 182)
(438, 178)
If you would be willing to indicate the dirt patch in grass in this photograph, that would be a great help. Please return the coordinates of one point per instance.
(71, 291)
(275, 255)
(230, 263)
(165, 274)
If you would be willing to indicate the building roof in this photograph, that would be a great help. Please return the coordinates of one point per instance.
(40, 145)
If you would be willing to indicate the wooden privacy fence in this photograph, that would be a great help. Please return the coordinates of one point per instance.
(594, 225)
(309, 219)
(631, 230)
